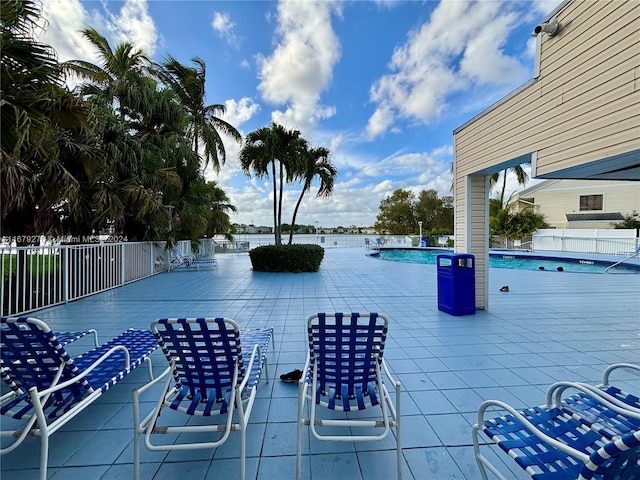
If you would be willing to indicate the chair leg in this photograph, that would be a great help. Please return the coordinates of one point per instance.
(301, 388)
(44, 455)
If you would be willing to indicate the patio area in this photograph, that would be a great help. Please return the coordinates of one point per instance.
(550, 326)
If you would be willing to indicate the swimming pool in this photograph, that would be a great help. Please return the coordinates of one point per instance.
(509, 260)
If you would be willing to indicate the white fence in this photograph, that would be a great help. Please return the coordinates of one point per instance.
(607, 241)
(37, 277)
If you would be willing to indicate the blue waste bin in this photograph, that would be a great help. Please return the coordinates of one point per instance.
(424, 242)
(456, 283)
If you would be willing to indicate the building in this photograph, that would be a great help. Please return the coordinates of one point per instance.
(580, 203)
(577, 118)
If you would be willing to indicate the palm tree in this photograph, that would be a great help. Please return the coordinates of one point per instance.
(315, 164)
(521, 176)
(279, 148)
(115, 79)
(188, 83)
(45, 141)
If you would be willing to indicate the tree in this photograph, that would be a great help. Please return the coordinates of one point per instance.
(630, 221)
(516, 225)
(280, 150)
(435, 212)
(396, 213)
(315, 163)
(188, 83)
(45, 143)
(401, 212)
(521, 176)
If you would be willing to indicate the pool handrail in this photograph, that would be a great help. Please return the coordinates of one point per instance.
(636, 254)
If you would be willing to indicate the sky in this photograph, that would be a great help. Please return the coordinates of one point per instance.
(382, 84)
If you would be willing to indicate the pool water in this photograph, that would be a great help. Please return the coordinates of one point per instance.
(513, 261)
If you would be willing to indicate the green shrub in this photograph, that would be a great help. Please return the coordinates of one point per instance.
(287, 258)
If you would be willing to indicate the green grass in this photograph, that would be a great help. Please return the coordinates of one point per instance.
(35, 264)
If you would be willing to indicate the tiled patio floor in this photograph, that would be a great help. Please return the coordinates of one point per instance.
(550, 326)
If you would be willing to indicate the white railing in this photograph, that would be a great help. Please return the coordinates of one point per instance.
(613, 242)
(38, 277)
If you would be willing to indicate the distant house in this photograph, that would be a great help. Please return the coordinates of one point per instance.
(581, 203)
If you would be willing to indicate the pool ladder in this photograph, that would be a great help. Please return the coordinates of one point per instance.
(637, 254)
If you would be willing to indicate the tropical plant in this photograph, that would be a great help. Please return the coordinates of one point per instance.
(188, 83)
(517, 225)
(521, 176)
(630, 221)
(47, 151)
(315, 164)
(277, 149)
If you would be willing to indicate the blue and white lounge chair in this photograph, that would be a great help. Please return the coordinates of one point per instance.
(343, 373)
(47, 387)
(214, 370)
(558, 441)
(180, 259)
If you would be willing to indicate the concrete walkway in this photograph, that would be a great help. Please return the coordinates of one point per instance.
(550, 326)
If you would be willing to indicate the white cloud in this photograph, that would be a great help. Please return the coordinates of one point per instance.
(64, 21)
(238, 112)
(67, 18)
(134, 24)
(223, 25)
(460, 47)
(301, 66)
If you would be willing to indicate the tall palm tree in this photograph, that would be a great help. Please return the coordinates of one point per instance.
(315, 164)
(280, 149)
(205, 123)
(521, 176)
(44, 129)
(142, 135)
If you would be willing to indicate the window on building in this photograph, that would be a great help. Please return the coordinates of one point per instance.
(590, 202)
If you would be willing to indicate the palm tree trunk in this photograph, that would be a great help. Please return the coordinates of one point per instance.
(280, 202)
(295, 213)
(504, 187)
(276, 232)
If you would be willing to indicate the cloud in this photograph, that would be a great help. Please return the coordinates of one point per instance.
(67, 18)
(301, 66)
(64, 21)
(461, 47)
(134, 24)
(224, 27)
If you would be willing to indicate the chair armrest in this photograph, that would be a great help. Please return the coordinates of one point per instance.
(530, 427)
(555, 391)
(607, 372)
(255, 353)
(396, 384)
(156, 380)
(85, 372)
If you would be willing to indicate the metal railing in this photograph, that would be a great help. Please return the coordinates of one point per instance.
(38, 277)
(636, 254)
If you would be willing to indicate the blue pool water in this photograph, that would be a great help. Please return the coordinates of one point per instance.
(509, 260)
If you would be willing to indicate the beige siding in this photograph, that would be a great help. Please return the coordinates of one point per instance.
(584, 106)
(556, 198)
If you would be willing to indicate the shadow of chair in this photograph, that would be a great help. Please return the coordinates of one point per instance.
(343, 373)
(47, 388)
(214, 371)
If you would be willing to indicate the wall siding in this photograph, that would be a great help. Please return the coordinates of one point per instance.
(587, 93)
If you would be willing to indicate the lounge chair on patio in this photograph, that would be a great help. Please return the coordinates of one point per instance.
(214, 370)
(180, 259)
(343, 373)
(557, 441)
(48, 387)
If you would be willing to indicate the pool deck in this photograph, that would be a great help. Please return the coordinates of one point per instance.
(550, 326)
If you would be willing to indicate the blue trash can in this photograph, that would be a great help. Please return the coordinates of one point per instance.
(424, 242)
(456, 283)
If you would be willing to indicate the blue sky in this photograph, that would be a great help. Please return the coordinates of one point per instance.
(382, 84)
